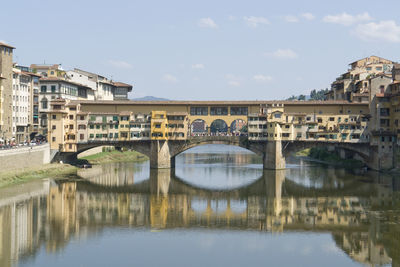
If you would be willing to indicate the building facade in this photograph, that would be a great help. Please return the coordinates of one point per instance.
(6, 72)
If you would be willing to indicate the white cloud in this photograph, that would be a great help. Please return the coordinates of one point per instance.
(282, 54)
(387, 31)
(207, 23)
(231, 18)
(347, 19)
(262, 78)
(120, 64)
(233, 80)
(256, 21)
(198, 66)
(234, 83)
(290, 18)
(169, 78)
(308, 16)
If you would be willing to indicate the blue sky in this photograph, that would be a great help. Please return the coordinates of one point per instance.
(203, 50)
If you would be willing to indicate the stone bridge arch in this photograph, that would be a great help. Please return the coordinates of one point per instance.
(240, 141)
(361, 149)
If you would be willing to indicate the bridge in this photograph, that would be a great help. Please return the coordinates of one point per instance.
(162, 153)
(271, 129)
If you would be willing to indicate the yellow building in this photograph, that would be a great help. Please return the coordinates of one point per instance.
(159, 125)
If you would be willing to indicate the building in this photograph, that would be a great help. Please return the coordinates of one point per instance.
(6, 74)
(46, 70)
(52, 88)
(353, 85)
(102, 88)
(22, 105)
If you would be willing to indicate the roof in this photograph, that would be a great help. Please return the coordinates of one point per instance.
(56, 79)
(30, 73)
(6, 45)
(369, 57)
(177, 114)
(119, 84)
(216, 103)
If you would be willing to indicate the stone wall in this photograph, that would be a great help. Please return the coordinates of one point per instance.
(19, 158)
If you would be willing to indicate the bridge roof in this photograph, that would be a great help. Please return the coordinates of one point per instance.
(215, 103)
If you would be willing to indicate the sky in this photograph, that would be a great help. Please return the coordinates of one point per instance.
(208, 49)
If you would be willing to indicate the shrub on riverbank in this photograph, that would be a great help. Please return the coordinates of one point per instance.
(115, 156)
(330, 157)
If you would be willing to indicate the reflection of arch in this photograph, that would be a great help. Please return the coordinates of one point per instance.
(219, 126)
(198, 126)
(237, 126)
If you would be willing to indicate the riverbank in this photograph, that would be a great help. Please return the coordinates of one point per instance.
(324, 156)
(54, 170)
(114, 156)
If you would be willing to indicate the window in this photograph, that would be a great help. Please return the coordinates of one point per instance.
(81, 118)
(219, 111)
(331, 118)
(81, 136)
(54, 117)
(277, 115)
(97, 126)
(91, 126)
(53, 139)
(91, 135)
(239, 110)
(53, 88)
(43, 89)
(203, 111)
(92, 118)
(44, 103)
(53, 127)
(71, 117)
(71, 126)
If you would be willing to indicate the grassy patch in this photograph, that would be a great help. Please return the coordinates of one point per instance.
(115, 156)
(44, 171)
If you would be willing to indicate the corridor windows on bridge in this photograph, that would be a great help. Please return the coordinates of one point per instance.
(199, 111)
(239, 110)
(218, 111)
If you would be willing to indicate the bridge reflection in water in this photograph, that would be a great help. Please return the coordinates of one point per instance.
(360, 216)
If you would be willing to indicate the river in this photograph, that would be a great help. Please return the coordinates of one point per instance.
(217, 208)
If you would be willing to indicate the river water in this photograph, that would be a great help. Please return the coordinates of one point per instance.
(217, 208)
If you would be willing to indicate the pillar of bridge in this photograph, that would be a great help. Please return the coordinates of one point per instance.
(159, 181)
(273, 158)
(160, 157)
(381, 157)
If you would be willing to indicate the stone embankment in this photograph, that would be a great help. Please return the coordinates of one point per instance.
(24, 157)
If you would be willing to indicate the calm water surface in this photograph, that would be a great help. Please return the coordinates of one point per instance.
(217, 208)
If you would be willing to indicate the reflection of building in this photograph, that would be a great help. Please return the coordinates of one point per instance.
(75, 208)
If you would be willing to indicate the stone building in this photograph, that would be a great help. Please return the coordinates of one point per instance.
(6, 72)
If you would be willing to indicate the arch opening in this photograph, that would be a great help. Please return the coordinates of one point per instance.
(219, 127)
(238, 127)
(199, 126)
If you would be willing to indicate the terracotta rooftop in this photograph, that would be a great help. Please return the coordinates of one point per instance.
(119, 84)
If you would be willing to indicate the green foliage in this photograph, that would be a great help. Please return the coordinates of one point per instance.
(314, 95)
(333, 158)
(318, 95)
